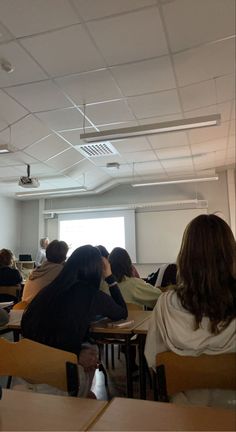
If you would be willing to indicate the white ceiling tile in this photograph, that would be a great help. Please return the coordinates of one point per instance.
(118, 125)
(69, 118)
(20, 157)
(211, 160)
(198, 95)
(10, 111)
(40, 96)
(191, 22)
(125, 38)
(65, 51)
(140, 156)
(160, 119)
(48, 147)
(171, 139)
(81, 169)
(26, 17)
(8, 172)
(177, 164)
(123, 171)
(225, 88)
(158, 75)
(40, 169)
(205, 62)
(26, 69)
(108, 112)
(174, 153)
(233, 110)
(90, 87)
(209, 146)
(27, 131)
(65, 160)
(231, 152)
(132, 144)
(151, 167)
(223, 109)
(208, 133)
(73, 136)
(5, 35)
(90, 9)
(103, 160)
(162, 103)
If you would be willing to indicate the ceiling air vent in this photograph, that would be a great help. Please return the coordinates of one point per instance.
(97, 150)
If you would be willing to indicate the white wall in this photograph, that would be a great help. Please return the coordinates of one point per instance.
(29, 240)
(10, 222)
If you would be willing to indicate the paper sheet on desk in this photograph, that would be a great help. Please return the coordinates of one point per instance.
(15, 317)
(6, 304)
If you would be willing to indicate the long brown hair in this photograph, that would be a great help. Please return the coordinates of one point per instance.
(207, 271)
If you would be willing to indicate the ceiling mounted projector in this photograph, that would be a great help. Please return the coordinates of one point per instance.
(29, 182)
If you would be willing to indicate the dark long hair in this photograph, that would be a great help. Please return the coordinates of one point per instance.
(62, 308)
(207, 271)
(121, 264)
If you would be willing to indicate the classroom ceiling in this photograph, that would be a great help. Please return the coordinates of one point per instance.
(121, 63)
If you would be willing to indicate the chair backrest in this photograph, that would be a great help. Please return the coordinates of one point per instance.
(180, 373)
(133, 306)
(20, 306)
(10, 293)
(39, 364)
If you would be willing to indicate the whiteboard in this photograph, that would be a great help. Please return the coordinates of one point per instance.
(159, 234)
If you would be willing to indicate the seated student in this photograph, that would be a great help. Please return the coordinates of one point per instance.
(164, 276)
(199, 315)
(8, 274)
(104, 252)
(42, 276)
(41, 254)
(61, 313)
(133, 289)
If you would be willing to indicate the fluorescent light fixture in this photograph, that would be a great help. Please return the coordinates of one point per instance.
(151, 129)
(4, 149)
(51, 192)
(187, 180)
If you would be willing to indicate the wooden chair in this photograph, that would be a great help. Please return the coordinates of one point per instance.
(38, 363)
(10, 293)
(175, 373)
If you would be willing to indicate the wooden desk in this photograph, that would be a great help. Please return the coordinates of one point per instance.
(136, 415)
(99, 330)
(14, 324)
(26, 411)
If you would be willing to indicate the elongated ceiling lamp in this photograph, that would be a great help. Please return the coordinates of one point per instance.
(176, 181)
(151, 129)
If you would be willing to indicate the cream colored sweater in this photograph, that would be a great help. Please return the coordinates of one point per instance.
(39, 278)
(172, 328)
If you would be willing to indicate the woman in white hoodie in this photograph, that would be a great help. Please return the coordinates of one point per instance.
(199, 315)
(42, 276)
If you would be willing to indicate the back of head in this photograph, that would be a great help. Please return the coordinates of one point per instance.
(6, 257)
(207, 270)
(103, 251)
(121, 264)
(44, 242)
(56, 251)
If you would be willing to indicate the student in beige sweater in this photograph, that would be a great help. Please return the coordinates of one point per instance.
(42, 276)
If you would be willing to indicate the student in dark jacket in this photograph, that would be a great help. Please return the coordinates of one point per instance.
(60, 314)
(8, 274)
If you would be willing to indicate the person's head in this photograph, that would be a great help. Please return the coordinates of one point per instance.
(121, 264)
(207, 270)
(44, 242)
(103, 251)
(56, 251)
(6, 258)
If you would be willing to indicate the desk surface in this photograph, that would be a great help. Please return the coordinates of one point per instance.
(137, 316)
(138, 415)
(32, 411)
(143, 327)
